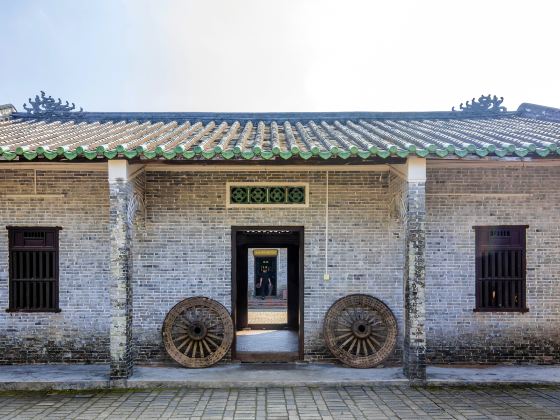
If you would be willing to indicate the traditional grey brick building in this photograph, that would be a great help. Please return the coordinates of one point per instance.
(448, 218)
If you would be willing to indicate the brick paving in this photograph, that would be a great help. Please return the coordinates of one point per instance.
(287, 403)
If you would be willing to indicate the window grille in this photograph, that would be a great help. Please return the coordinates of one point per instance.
(500, 268)
(33, 262)
(267, 195)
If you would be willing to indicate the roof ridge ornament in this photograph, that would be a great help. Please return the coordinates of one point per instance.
(485, 105)
(48, 106)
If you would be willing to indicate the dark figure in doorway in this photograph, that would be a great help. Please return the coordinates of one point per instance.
(264, 284)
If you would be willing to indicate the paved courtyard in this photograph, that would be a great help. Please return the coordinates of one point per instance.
(300, 402)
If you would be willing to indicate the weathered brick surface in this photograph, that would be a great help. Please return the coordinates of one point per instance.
(80, 332)
(185, 246)
(414, 348)
(120, 290)
(454, 332)
(181, 248)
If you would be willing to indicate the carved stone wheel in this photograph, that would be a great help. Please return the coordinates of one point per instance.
(197, 332)
(360, 331)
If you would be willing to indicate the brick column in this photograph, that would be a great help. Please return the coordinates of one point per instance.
(120, 192)
(414, 351)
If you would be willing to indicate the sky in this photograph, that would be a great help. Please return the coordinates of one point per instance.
(279, 55)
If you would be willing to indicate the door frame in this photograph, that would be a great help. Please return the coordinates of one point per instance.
(300, 230)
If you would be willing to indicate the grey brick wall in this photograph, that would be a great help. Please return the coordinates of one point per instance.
(184, 249)
(454, 332)
(80, 332)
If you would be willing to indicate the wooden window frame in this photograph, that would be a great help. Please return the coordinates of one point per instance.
(479, 247)
(12, 231)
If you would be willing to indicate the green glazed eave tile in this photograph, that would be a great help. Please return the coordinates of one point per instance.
(189, 154)
(110, 154)
(218, 150)
(90, 154)
(432, 148)
(30, 155)
(247, 155)
(169, 155)
(40, 150)
(491, 148)
(364, 154)
(228, 154)
(481, 152)
(197, 149)
(383, 154)
(411, 148)
(442, 152)
(276, 151)
(461, 152)
(50, 155)
(542, 152)
(305, 155)
(344, 154)
(471, 148)
(9, 155)
(521, 151)
(286, 154)
(325, 154)
(21, 150)
(422, 152)
(354, 150)
(120, 148)
(393, 149)
(402, 153)
(552, 147)
(149, 154)
(267, 154)
(532, 148)
(208, 154)
(70, 155)
(129, 154)
(501, 152)
(315, 150)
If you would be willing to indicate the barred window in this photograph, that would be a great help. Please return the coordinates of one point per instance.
(500, 268)
(33, 261)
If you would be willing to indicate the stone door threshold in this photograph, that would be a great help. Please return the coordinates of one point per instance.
(81, 377)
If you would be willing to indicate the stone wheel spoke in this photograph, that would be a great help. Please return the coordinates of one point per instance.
(360, 330)
(197, 332)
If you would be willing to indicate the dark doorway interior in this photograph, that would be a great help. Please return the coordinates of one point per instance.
(266, 267)
(277, 342)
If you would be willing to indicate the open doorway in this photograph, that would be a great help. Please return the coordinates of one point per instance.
(267, 293)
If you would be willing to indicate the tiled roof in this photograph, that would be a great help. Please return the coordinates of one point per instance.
(531, 130)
